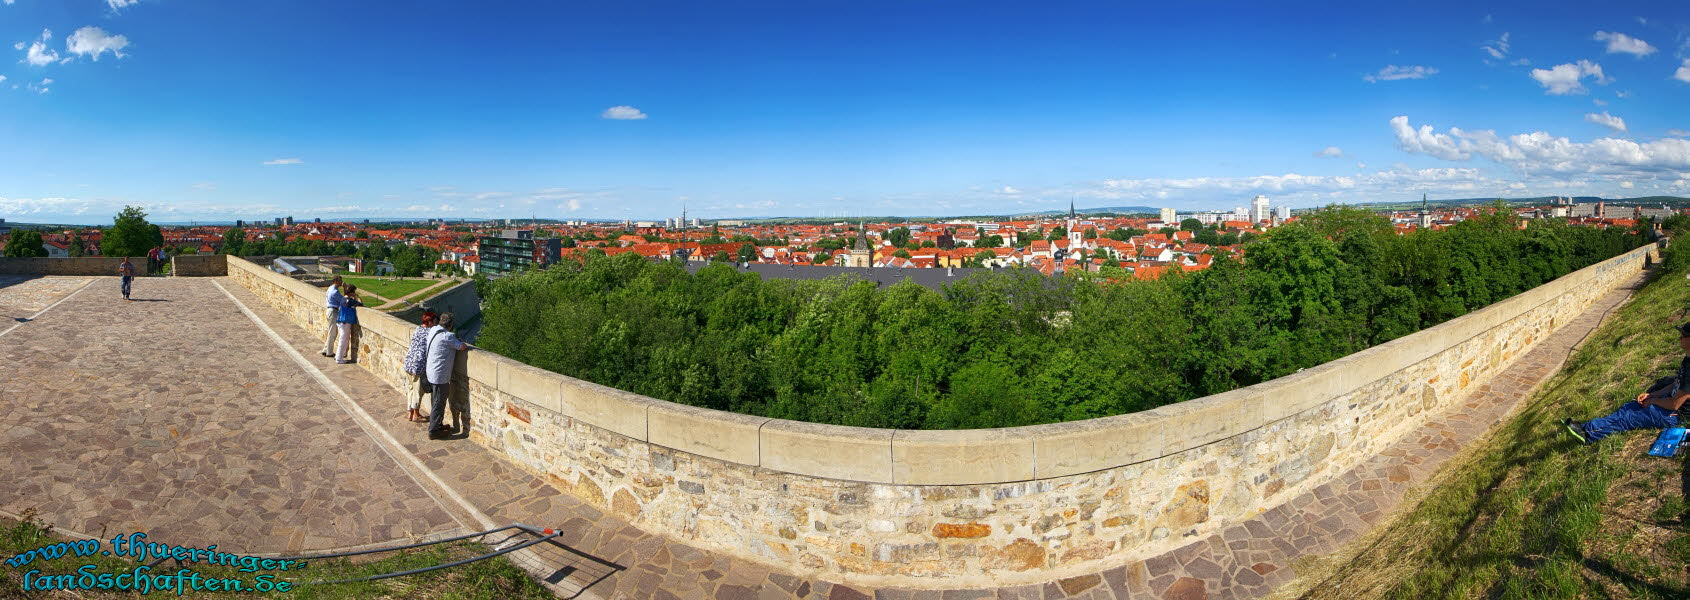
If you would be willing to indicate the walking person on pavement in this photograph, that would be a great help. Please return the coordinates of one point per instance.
(441, 352)
(127, 271)
(332, 300)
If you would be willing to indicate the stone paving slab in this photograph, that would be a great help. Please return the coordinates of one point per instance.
(22, 296)
(1248, 560)
(175, 415)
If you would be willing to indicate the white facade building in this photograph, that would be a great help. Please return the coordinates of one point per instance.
(1259, 209)
(1168, 216)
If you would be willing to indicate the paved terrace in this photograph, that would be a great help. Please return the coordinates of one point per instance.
(200, 415)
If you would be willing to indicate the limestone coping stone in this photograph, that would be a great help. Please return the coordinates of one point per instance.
(1091, 445)
(604, 407)
(961, 457)
(536, 386)
(483, 366)
(831, 451)
(721, 435)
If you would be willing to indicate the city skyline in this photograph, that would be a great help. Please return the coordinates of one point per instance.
(214, 112)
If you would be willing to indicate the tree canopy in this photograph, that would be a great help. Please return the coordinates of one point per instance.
(1017, 348)
(24, 243)
(130, 234)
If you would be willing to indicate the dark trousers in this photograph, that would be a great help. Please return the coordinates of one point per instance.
(126, 279)
(1629, 417)
(442, 393)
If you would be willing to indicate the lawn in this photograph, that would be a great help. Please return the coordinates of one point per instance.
(391, 290)
(491, 578)
(1531, 513)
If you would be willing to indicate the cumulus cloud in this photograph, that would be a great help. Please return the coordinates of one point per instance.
(1564, 79)
(1627, 184)
(40, 87)
(39, 55)
(1683, 72)
(1330, 152)
(623, 113)
(1619, 43)
(93, 41)
(1606, 120)
(1540, 151)
(117, 4)
(284, 161)
(1394, 72)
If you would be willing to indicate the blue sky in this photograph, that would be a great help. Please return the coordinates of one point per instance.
(222, 110)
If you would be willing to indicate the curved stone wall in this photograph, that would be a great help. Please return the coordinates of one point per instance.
(949, 508)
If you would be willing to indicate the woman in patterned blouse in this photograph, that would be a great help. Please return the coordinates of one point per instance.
(414, 366)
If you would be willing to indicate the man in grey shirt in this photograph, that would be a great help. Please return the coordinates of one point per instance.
(441, 351)
(333, 301)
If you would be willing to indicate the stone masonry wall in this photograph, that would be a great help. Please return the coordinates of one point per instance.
(199, 265)
(970, 508)
(83, 265)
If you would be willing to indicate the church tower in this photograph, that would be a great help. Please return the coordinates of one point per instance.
(1076, 238)
(860, 256)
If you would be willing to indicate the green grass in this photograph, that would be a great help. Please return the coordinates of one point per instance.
(391, 290)
(1531, 513)
(491, 578)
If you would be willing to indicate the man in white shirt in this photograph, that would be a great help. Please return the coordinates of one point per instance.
(441, 352)
(333, 300)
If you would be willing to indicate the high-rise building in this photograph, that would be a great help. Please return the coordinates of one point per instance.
(278, 221)
(240, 223)
(514, 250)
(288, 221)
(1168, 215)
(1259, 209)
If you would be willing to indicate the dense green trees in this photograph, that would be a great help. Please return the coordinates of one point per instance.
(24, 243)
(1018, 348)
(234, 242)
(130, 234)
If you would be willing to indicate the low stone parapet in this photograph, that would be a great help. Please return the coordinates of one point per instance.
(980, 507)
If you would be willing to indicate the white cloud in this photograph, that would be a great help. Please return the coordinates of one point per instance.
(1606, 120)
(17, 46)
(1599, 101)
(39, 54)
(1627, 184)
(40, 87)
(2, 78)
(1542, 152)
(1498, 48)
(622, 113)
(1008, 191)
(117, 4)
(1565, 79)
(1520, 62)
(1622, 43)
(1330, 152)
(284, 161)
(1678, 133)
(204, 185)
(1394, 72)
(1426, 141)
(574, 204)
(94, 41)
(1361, 165)
(1683, 72)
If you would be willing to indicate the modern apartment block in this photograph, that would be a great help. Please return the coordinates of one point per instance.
(514, 250)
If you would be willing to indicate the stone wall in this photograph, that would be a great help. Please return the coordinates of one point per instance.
(981, 507)
(85, 265)
(199, 265)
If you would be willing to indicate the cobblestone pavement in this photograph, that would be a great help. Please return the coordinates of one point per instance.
(182, 418)
(175, 415)
(22, 296)
(1245, 561)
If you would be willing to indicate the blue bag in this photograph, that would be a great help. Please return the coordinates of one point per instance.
(1666, 446)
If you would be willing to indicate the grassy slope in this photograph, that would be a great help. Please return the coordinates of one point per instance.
(492, 578)
(1531, 514)
(390, 290)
